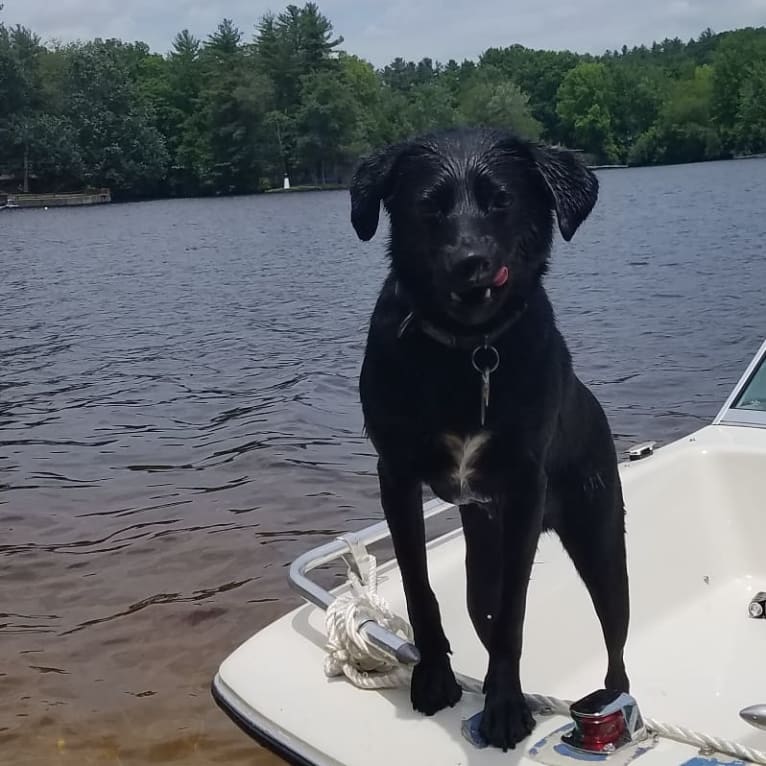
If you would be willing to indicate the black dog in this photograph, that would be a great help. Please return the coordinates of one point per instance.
(467, 385)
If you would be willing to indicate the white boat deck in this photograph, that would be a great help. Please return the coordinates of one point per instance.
(696, 532)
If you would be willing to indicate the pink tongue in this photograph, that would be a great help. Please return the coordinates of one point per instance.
(501, 277)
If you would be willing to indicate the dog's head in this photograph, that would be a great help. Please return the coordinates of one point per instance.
(471, 216)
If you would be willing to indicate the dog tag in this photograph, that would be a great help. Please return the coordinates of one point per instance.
(484, 394)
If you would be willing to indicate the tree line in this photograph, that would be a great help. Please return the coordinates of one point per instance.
(234, 113)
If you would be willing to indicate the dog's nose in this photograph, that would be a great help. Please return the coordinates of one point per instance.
(472, 268)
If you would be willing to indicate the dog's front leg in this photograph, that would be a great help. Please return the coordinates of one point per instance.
(506, 719)
(433, 683)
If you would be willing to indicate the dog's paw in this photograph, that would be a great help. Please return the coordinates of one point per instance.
(506, 720)
(434, 686)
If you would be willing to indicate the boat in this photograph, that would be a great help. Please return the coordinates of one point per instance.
(696, 652)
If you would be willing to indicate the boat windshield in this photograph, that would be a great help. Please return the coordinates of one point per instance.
(753, 397)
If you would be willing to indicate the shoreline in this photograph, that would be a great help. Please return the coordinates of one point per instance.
(307, 188)
(103, 196)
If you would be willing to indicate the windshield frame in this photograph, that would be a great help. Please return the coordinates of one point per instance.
(732, 415)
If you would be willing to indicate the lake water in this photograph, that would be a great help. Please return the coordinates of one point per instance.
(179, 420)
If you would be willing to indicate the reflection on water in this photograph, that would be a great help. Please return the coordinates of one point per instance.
(179, 419)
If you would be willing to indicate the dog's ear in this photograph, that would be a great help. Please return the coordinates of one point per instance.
(573, 187)
(369, 186)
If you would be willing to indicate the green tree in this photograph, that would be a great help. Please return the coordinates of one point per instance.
(228, 122)
(230, 115)
(404, 75)
(690, 101)
(488, 98)
(20, 97)
(325, 120)
(736, 62)
(635, 98)
(683, 131)
(54, 146)
(178, 115)
(750, 125)
(539, 75)
(427, 107)
(367, 89)
(584, 108)
(297, 42)
(118, 145)
(397, 120)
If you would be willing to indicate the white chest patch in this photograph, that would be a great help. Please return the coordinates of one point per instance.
(465, 452)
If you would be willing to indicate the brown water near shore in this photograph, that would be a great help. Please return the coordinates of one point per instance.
(179, 420)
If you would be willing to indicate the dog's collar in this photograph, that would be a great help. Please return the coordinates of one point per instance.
(453, 340)
(485, 358)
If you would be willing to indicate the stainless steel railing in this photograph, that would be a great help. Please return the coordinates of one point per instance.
(395, 646)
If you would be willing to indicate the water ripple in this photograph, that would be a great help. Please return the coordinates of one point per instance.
(179, 418)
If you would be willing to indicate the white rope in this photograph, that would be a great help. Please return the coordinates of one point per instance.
(705, 741)
(367, 667)
(351, 654)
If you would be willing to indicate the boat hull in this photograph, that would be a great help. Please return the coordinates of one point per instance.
(695, 531)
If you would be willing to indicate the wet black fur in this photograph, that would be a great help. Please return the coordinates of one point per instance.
(551, 462)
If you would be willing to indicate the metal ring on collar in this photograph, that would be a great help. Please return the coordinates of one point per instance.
(494, 356)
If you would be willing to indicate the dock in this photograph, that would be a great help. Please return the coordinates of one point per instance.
(64, 199)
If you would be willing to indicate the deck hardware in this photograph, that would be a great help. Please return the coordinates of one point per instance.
(640, 451)
(605, 721)
(755, 715)
(757, 606)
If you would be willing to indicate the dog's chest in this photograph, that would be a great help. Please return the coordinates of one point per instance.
(458, 478)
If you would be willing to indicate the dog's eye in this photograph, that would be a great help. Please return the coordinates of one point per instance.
(501, 200)
(430, 208)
